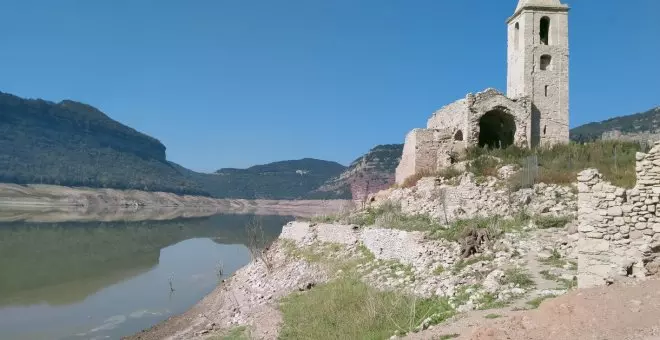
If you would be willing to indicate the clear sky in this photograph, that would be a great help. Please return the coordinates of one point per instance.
(232, 83)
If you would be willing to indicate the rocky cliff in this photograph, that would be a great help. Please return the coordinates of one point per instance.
(370, 173)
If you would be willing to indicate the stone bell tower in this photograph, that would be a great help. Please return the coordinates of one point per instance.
(538, 66)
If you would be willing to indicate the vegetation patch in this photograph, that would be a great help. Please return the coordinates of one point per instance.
(449, 336)
(329, 254)
(490, 301)
(446, 173)
(463, 263)
(560, 163)
(518, 277)
(548, 276)
(349, 309)
(236, 333)
(549, 222)
(484, 166)
(568, 284)
(554, 260)
(536, 302)
(493, 316)
(389, 215)
(495, 225)
(438, 270)
(462, 295)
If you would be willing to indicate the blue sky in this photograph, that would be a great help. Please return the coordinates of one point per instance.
(235, 83)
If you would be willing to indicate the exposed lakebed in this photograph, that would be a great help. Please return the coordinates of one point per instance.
(104, 280)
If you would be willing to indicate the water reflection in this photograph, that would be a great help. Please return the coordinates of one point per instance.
(87, 280)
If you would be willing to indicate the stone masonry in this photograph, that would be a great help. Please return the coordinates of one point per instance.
(619, 229)
(533, 112)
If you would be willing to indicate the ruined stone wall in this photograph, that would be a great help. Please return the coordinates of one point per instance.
(452, 118)
(464, 115)
(425, 150)
(465, 198)
(619, 229)
(490, 99)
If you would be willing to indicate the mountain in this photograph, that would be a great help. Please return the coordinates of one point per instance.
(74, 144)
(642, 127)
(293, 179)
(369, 173)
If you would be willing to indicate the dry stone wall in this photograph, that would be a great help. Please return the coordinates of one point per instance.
(619, 229)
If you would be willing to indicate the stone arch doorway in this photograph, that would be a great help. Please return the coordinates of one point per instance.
(497, 129)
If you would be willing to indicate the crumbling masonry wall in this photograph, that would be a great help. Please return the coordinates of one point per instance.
(619, 229)
(426, 150)
(456, 126)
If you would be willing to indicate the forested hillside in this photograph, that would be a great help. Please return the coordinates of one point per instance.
(74, 144)
(643, 127)
(293, 179)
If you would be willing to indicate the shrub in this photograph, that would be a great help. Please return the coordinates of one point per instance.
(484, 166)
(548, 222)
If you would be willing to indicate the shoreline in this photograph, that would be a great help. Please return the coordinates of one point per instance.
(52, 203)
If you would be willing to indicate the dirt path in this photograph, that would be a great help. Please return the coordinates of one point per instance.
(623, 312)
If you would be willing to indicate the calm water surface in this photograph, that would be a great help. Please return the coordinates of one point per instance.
(106, 280)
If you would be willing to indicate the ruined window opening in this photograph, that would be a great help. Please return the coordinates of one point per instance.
(459, 135)
(544, 127)
(516, 38)
(546, 90)
(546, 62)
(544, 32)
(496, 129)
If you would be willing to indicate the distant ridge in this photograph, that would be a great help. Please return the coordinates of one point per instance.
(642, 127)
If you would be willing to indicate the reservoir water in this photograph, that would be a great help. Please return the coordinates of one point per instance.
(105, 280)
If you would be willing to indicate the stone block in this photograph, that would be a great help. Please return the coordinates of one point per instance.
(635, 234)
(595, 234)
(614, 211)
(585, 228)
(592, 246)
(618, 221)
(624, 229)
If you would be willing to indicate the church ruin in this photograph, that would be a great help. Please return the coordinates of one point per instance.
(534, 112)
